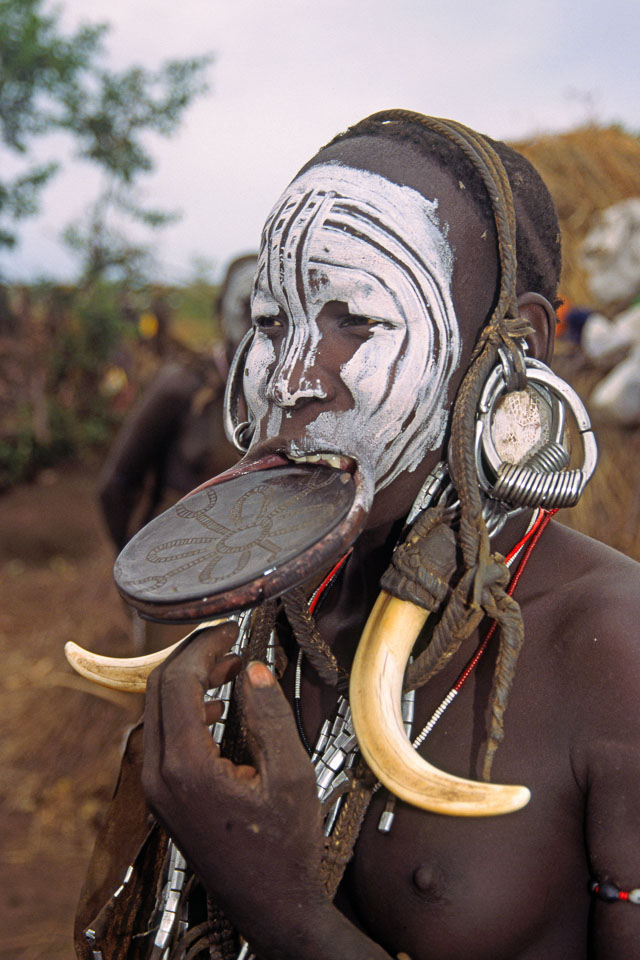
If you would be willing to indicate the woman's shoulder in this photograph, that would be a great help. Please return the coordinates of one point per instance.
(583, 563)
(593, 593)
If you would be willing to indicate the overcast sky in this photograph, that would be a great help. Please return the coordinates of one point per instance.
(289, 74)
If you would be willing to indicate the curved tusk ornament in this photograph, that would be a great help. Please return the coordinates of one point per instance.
(375, 695)
(128, 674)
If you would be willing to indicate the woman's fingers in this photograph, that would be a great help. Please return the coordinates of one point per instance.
(213, 710)
(176, 726)
(273, 738)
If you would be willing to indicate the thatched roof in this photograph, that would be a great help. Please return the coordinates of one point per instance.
(586, 171)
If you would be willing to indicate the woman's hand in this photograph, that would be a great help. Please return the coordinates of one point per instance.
(253, 834)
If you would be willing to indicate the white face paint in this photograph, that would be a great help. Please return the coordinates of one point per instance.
(340, 234)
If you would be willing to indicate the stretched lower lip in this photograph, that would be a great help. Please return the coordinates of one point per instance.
(275, 458)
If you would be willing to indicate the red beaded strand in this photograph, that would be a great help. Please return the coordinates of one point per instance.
(609, 893)
(530, 539)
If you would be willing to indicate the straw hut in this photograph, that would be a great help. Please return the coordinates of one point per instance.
(588, 170)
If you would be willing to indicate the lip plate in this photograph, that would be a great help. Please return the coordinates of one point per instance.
(239, 539)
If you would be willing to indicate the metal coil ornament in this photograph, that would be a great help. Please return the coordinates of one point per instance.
(525, 487)
(542, 480)
(551, 456)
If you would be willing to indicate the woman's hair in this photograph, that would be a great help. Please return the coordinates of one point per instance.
(538, 242)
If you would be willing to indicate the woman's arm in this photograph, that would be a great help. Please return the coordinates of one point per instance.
(141, 446)
(610, 748)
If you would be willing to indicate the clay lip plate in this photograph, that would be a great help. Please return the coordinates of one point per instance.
(240, 539)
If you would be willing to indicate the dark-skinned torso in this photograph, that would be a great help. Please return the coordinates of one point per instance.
(512, 887)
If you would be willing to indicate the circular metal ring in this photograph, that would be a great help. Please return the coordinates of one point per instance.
(539, 481)
(234, 428)
(241, 436)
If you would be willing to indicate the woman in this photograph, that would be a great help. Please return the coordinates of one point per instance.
(386, 298)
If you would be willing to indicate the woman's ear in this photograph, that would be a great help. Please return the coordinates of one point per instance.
(542, 317)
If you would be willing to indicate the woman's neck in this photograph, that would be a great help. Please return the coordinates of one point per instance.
(346, 604)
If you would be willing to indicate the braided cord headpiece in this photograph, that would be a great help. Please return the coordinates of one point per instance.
(504, 329)
(481, 586)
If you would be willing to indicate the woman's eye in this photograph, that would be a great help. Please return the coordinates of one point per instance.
(269, 323)
(363, 321)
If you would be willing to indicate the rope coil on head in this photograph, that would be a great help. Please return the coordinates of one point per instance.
(480, 587)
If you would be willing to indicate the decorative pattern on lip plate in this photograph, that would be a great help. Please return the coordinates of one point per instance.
(233, 532)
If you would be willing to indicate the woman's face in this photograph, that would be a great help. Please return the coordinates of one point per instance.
(355, 336)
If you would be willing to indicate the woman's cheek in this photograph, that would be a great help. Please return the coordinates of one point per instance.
(367, 374)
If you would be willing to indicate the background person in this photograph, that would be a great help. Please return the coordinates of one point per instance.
(174, 439)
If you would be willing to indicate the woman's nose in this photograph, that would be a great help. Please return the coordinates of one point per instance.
(292, 387)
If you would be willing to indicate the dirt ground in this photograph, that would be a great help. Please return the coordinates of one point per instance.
(60, 736)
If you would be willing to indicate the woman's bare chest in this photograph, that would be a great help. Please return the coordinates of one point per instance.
(441, 887)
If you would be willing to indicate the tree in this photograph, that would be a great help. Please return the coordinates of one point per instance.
(56, 82)
(109, 121)
(37, 65)
(49, 81)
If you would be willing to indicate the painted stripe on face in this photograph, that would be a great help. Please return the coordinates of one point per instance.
(408, 261)
(288, 240)
(345, 235)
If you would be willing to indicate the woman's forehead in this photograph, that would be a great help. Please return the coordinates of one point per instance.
(334, 215)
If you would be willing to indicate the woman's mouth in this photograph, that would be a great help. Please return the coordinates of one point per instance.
(334, 460)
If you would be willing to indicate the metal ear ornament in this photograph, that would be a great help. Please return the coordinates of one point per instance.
(238, 432)
(541, 478)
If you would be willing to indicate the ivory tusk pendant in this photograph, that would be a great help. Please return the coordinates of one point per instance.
(375, 695)
(123, 673)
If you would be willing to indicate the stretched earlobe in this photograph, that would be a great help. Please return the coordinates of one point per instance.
(542, 317)
(238, 428)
